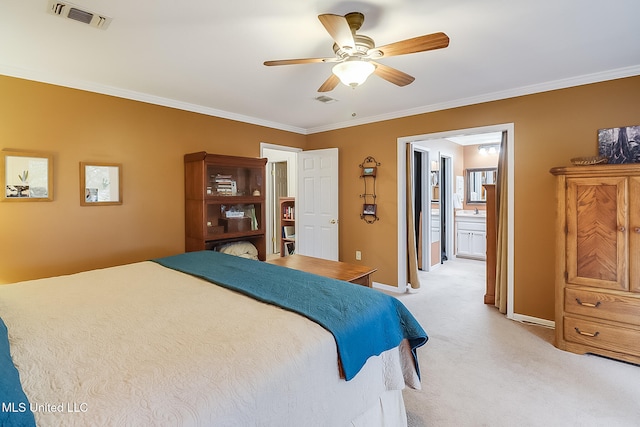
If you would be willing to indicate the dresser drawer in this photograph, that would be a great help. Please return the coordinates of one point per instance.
(599, 335)
(603, 305)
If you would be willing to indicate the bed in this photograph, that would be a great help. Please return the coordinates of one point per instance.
(161, 342)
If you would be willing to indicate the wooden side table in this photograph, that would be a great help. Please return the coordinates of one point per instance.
(358, 274)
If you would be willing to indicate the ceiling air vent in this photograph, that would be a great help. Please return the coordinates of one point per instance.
(325, 99)
(74, 12)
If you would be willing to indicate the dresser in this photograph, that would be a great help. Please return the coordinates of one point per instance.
(597, 304)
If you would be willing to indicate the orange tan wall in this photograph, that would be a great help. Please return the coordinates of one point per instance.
(377, 241)
(474, 159)
(550, 129)
(60, 237)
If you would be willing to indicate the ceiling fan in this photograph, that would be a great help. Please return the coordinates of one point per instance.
(355, 53)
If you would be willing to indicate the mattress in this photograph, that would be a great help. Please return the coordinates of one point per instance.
(142, 344)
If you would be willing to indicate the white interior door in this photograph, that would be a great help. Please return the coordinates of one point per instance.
(317, 204)
(278, 153)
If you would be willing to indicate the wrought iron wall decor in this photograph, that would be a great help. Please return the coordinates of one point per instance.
(368, 172)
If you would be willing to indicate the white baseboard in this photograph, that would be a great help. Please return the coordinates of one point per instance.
(534, 320)
(388, 288)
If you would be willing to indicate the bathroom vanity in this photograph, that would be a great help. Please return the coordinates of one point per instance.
(471, 234)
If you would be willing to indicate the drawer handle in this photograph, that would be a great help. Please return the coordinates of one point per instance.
(587, 304)
(588, 334)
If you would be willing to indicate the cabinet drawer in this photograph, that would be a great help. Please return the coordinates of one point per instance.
(471, 226)
(599, 335)
(603, 305)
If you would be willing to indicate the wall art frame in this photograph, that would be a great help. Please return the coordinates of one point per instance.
(26, 176)
(620, 145)
(100, 184)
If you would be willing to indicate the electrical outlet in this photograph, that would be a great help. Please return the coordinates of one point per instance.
(358, 256)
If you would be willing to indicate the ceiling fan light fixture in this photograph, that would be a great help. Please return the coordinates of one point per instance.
(354, 71)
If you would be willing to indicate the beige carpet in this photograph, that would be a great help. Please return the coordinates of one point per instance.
(481, 369)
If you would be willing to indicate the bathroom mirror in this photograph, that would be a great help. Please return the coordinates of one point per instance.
(476, 178)
(26, 176)
(100, 184)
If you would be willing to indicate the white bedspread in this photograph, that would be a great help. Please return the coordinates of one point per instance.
(145, 345)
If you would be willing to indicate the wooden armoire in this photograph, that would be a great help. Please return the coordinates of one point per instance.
(597, 307)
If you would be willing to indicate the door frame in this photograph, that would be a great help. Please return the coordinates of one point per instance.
(270, 199)
(447, 193)
(424, 173)
(274, 205)
(401, 180)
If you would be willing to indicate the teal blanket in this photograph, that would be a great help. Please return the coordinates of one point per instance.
(15, 410)
(363, 321)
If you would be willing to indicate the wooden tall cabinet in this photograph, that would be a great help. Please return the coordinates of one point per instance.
(224, 201)
(492, 242)
(598, 260)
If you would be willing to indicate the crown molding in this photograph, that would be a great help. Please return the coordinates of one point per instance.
(494, 96)
(166, 102)
(58, 80)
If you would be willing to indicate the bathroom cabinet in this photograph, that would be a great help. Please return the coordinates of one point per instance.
(471, 234)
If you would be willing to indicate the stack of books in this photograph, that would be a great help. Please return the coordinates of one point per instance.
(288, 212)
(225, 186)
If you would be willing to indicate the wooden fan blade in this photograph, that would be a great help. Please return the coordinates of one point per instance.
(339, 30)
(329, 84)
(416, 44)
(392, 75)
(299, 61)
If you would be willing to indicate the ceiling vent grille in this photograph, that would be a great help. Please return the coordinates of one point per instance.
(325, 99)
(74, 12)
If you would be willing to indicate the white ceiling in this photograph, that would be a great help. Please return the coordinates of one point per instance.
(207, 55)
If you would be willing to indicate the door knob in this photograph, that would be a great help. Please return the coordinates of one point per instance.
(333, 221)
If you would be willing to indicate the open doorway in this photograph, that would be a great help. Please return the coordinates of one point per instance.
(447, 207)
(431, 200)
(278, 181)
(433, 142)
(312, 179)
(281, 182)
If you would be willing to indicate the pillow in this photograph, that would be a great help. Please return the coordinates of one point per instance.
(241, 249)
